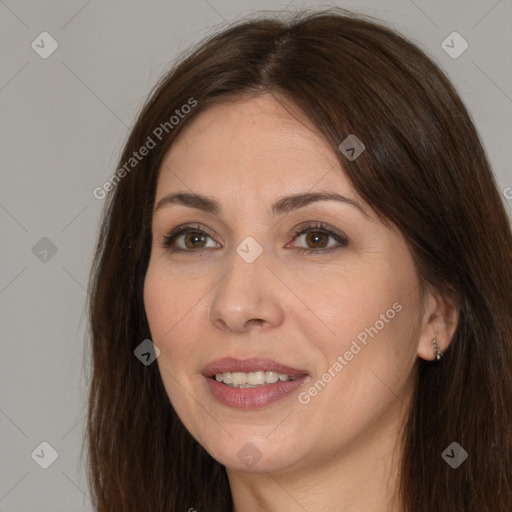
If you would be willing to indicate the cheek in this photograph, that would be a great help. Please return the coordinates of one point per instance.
(158, 303)
(166, 300)
(372, 313)
(173, 305)
(169, 313)
(353, 301)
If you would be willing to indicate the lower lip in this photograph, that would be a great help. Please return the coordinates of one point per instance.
(252, 398)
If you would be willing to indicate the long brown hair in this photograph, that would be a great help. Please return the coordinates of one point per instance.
(424, 170)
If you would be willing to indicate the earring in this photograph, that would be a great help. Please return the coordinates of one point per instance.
(437, 351)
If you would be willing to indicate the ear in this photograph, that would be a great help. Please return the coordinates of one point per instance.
(440, 317)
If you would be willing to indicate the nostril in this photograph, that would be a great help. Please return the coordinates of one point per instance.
(258, 321)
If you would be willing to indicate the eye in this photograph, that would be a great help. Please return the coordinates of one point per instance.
(188, 238)
(317, 236)
(192, 238)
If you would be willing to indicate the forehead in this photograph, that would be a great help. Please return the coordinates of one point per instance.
(251, 146)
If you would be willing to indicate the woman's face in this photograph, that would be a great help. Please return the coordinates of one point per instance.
(264, 281)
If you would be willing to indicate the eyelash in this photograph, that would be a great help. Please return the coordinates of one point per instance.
(305, 228)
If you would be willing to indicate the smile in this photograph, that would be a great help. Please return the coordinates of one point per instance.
(251, 383)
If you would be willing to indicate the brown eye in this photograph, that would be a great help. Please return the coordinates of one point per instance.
(317, 239)
(194, 240)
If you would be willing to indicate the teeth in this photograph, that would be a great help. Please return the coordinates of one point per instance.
(251, 379)
(238, 378)
(256, 378)
(271, 377)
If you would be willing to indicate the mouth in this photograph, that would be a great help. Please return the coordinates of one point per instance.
(251, 383)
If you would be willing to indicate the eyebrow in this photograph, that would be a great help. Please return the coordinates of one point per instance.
(281, 206)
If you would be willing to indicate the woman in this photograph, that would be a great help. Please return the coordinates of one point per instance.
(301, 295)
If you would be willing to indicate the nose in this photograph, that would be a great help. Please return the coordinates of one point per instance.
(247, 297)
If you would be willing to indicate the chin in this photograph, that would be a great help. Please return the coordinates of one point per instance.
(254, 455)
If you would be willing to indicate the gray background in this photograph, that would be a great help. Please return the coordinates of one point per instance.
(64, 121)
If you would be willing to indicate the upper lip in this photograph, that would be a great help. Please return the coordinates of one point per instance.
(254, 364)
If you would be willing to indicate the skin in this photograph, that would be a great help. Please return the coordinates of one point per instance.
(341, 450)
